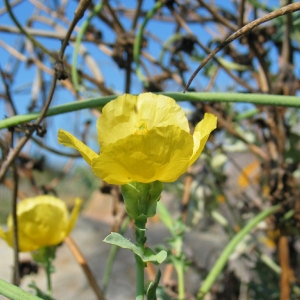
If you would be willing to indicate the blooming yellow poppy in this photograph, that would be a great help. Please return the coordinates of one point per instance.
(143, 138)
(42, 221)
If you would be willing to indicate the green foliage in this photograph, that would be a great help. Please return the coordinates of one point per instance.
(39, 292)
(141, 199)
(152, 288)
(265, 285)
(146, 254)
(14, 292)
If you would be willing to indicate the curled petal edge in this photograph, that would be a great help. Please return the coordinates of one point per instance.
(74, 215)
(67, 139)
(201, 134)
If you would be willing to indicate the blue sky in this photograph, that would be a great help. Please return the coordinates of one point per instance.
(21, 89)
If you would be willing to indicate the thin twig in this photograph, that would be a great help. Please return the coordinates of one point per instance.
(58, 74)
(241, 14)
(21, 28)
(8, 97)
(244, 30)
(116, 22)
(55, 151)
(16, 269)
(85, 267)
(137, 13)
(218, 16)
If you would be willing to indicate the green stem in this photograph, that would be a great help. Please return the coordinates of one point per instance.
(79, 37)
(112, 255)
(49, 270)
(246, 115)
(223, 258)
(15, 293)
(179, 263)
(261, 99)
(140, 235)
(57, 110)
(139, 271)
(179, 267)
(167, 46)
(139, 39)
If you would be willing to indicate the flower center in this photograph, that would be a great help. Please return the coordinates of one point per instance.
(141, 128)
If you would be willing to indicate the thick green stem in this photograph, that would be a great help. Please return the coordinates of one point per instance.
(223, 258)
(139, 271)
(140, 235)
(261, 99)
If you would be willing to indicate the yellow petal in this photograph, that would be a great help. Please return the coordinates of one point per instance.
(2, 234)
(161, 154)
(201, 134)
(161, 111)
(6, 236)
(42, 221)
(67, 139)
(25, 246)
(74, 215)
(127, 113)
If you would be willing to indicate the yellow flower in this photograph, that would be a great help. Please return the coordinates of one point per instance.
(143, 138)
(42, 221)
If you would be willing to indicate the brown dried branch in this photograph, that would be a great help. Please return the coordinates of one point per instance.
(244, 30)
(59, 74)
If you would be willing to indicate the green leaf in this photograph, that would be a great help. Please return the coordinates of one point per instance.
(15, 293)
(146, 255)
(39, 292)
(151, 291)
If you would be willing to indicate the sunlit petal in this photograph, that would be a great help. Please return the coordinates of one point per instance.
(127, 113)
(162, 154)
(143, 138)
(67, 139)
(201, 134)
(74, 215)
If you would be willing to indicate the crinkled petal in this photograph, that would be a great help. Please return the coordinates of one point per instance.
(127, 113)
(43, 219)
(162, 154)
(201, 134)
(161, 111)
(67, 139)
